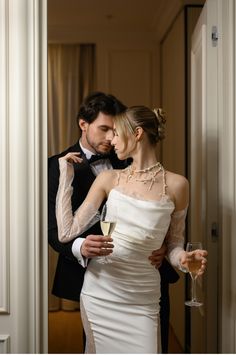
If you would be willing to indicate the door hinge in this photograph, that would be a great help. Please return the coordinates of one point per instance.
(214, 36)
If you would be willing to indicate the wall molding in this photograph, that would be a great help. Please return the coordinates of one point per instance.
(4, 159)
(4, 344)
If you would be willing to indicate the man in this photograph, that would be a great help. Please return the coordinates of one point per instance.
(96, 126)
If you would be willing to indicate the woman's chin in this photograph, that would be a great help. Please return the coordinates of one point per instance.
(121, 156)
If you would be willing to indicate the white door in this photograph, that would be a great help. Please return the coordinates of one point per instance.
(204, 175)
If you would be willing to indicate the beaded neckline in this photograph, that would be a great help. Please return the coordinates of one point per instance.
(149, 168)
(151, 175)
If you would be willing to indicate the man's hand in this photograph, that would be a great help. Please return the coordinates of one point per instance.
(158, 255)
(96, 245)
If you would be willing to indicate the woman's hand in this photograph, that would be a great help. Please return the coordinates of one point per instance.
(72, 157)
(194, 260)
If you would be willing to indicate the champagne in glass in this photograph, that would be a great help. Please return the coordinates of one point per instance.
(108, 223)
(193, 268)
(107, 227)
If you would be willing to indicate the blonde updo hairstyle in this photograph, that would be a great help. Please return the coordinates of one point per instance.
(152, 122)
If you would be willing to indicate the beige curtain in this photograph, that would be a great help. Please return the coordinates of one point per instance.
(71, 76)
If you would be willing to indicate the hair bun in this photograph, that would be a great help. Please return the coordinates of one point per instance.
(161, 119)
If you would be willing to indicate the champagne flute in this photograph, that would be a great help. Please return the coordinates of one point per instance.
(193, 268)
(107, 223)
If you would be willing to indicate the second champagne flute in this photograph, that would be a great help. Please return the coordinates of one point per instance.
(193, 268)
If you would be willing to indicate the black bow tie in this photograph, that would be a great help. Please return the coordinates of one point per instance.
(96, 157)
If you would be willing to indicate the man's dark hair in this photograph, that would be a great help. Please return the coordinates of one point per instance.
(98, 102)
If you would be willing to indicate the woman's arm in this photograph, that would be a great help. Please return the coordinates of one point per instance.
(69, 225)
(53, 180)
(175, 240)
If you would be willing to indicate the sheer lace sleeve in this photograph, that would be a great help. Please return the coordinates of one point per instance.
(175, 237)
(69, 225)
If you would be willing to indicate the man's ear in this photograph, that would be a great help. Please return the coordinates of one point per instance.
(83, 124)
(138, 133)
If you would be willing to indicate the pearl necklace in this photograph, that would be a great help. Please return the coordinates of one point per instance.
(151, 171)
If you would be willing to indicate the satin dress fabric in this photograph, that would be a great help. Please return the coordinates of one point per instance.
(120, 299)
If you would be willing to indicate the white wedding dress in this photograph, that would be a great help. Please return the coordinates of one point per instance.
(120, 299)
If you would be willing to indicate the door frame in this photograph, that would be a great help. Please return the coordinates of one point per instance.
(222, 63)
(23, 150)
(227, 174)
(29, 92)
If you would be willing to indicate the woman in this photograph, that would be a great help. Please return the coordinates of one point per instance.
(120, 298)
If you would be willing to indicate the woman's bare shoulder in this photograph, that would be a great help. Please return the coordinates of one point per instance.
(176, 180)
(107, 178)
(108, 174)
(178, 189)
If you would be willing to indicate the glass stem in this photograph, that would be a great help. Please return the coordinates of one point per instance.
(194, 295)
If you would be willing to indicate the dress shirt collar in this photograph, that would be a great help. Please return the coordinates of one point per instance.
(99, 165)
(86, 152)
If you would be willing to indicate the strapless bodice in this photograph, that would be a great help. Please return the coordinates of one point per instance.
(141, 224)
